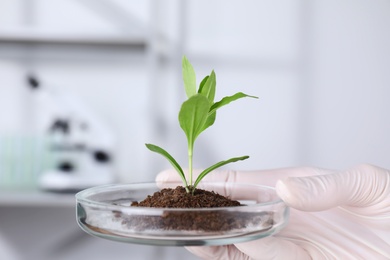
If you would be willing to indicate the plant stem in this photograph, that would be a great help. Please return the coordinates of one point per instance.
(190, 152)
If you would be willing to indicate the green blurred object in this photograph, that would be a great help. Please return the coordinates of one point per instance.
(23, 159)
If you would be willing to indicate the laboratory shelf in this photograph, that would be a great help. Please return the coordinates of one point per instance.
(50, 38)
(35, 198)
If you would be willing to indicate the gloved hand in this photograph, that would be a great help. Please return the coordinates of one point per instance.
(333, 215)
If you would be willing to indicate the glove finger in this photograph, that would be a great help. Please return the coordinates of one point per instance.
(218, 252)
(272, 248)
(361, 186)
(263, 177)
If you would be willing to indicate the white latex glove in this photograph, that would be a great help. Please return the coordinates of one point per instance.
(334, 215)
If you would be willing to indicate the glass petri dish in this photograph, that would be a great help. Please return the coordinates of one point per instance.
(105, 212)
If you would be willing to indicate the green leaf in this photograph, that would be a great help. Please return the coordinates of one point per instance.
(189, 77)
(210, 120)
(159, 150)
(208, 88)
(227, 100)
(193, 115)
(217, 165)
(202, 83)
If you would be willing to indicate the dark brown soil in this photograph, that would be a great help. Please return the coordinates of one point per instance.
(179, 198)
(202, 220)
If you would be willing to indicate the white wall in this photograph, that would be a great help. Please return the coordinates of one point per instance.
(348, 84)
(319, 68)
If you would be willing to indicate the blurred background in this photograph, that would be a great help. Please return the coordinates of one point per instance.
(84, 84)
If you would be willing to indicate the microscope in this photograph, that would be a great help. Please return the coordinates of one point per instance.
(80, 143)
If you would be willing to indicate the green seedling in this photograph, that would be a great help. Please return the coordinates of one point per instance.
(197, 114)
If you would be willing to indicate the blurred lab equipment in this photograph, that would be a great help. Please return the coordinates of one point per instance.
(81, 143)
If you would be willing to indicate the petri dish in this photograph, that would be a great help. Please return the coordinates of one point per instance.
(106, 212)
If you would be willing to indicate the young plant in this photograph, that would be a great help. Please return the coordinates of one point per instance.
(197, 113)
